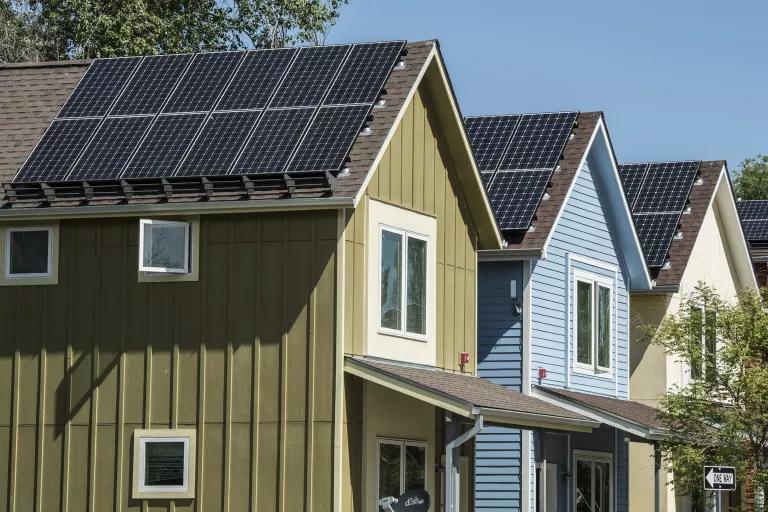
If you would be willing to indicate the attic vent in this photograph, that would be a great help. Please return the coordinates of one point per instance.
(366, 130)
(679, 235)
(699, 181)
(667, 265)
(399, 66)
(546, 196)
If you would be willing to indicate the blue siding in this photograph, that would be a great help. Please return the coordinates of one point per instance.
(500, 347)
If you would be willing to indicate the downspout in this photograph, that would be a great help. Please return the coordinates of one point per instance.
(657, 479)
(452, 470)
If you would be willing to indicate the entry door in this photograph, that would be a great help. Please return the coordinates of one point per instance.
(592, 482)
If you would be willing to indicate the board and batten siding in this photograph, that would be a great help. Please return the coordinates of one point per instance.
(499, 358)
(245, 356)
(416, 173)
(581, 240)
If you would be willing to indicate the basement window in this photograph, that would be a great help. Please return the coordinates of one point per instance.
(164, 246)
(164, 464)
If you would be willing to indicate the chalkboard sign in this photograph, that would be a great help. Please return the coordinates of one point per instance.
(412, 501)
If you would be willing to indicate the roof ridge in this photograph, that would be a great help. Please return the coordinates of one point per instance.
(45, 64)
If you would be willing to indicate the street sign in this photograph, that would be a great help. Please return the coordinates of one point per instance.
(719, 478)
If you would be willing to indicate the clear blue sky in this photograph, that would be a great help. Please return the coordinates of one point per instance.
(677, 79)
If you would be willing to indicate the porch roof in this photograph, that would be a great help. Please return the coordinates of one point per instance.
(633, 417)
(467, 395)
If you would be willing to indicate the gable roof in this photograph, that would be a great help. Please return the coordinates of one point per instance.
(754, 219)
(34, 93)
(710, 181)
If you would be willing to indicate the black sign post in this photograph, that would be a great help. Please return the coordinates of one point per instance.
(719, 478)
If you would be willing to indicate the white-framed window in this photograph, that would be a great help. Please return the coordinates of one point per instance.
(592, 322)
(164, 464)
(28, 252)
(164, 246)
(402, 467)
(592, 481)
(704, 359)
(403, 278)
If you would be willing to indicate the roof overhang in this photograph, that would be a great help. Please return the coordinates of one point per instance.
(459, 403)
(600, 415)
(512, 254)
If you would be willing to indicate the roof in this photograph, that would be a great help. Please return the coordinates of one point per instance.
(466, 394)
(754, 219)
(630, 416)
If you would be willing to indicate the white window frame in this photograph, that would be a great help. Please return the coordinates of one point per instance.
(403, 332)
(402, 443)
(19, 229)
(143, 437)
(703, 343)
(595, 281)
(593, 456)
(168, 223)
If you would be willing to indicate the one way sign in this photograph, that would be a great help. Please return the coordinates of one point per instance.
(719, 478)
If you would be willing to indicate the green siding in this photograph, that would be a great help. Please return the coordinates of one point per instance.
(245, 356)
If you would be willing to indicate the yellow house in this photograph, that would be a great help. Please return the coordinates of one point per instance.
(242, 281)
(687, 221)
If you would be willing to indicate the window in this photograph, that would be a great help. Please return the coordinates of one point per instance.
(593, 324)
(164, 464)
(164, 246)
(593, 482)
(402, 467)
(704, 347)
(403, 282)
(28, 252)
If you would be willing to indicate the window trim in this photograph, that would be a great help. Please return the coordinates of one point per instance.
(593, 456)
(702, 376)
(20, 229)
(187, 225)
(140, 439)
(595, 281)
(402, 443)
(405, 234)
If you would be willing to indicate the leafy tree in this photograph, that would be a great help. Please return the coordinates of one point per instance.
(20, 39)
(751, 180)
(721, 416)
(87, 28)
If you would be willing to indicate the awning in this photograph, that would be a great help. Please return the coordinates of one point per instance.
(467, 395)
(632, 417)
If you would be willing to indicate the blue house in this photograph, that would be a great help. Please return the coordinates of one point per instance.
(553, 312)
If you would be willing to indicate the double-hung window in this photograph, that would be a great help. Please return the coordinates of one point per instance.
(402, 467)
(592, 324)
(403, 305)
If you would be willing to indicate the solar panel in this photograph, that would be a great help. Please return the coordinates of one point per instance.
(164, 146)
(655, 232)
(362, 76)
(632, 176)
(309, 76)
(753, 209)
(99, 87)
(515, 195)
(756, 230)
(256, 79)
(538, 141)
(57, 150)
(150, 86)
(219, 142)
(110, 148)
(203, 82)
(666, 187)
(489, 136)
(329, 138)
(273, 141)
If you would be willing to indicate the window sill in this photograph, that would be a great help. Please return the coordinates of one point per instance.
(403, 335)
(593, 372)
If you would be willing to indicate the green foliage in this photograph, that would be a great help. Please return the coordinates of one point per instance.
(751, 180)
(65, 29)
(20, 39)
(722, 417)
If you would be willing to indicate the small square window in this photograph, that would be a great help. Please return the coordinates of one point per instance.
(28, 252)
(164, 464)
(164, 247)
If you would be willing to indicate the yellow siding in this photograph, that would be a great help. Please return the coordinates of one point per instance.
(245, 356)
(416, 173)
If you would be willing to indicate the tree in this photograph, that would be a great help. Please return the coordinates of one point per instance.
(721, 416)
(20, 39)
(88, 29)
(751, 180)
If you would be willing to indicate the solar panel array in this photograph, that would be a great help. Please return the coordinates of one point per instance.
(288, 110)
(754, 219)
(517, 155)
(657, 194)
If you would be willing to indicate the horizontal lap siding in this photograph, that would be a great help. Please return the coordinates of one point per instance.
(245, 356)
(582, 231)
(499, 358)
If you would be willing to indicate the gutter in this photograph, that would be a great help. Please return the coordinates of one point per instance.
(202, 207)
(510, 254)
(531, 420)
(658, 290)
(452, 469)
